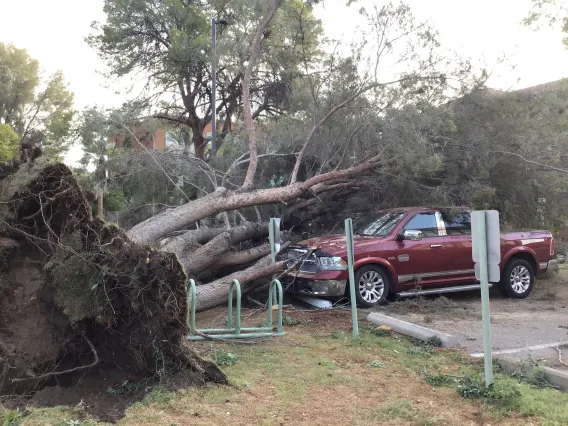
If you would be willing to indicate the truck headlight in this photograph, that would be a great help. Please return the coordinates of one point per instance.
(332, 264)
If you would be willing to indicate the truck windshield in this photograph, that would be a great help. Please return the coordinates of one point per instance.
(377, 224)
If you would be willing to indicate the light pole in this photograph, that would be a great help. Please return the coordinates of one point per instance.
(214, 22)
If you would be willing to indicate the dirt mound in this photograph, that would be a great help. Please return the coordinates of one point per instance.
(77, 294)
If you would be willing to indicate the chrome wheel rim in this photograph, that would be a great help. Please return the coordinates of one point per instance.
(520, 279)
(371, 286)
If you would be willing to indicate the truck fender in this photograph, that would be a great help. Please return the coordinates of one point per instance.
(517, 250)
(378, 261)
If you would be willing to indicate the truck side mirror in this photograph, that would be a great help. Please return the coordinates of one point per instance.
(411, 235)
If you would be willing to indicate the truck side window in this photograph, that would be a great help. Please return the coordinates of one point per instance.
(425, 222)
(457, 223)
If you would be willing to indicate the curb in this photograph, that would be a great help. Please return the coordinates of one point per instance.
(413, 330)
(554, 376)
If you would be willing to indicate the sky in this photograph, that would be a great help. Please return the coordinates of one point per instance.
(53, 32)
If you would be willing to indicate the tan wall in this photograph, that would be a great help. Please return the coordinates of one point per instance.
(156, 141)
(160, 139)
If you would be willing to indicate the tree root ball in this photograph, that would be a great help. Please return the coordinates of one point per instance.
(78, 296)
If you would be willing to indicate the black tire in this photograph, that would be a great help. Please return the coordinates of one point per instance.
(517, 280)
(373, 277)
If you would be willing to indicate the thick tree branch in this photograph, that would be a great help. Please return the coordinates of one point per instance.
(179, 243)
(254, 53)
(206, 256)
(242, 257)
(157, 227)
(337, 107)
(215, 293)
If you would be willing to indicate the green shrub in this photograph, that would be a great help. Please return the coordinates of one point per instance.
(440, 379)
(504, 391)
(11, 418)
(225, 358)
(289, 321)
(470, 387)
(159, 396)
(434, 341)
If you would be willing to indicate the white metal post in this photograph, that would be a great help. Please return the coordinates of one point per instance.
(274, 239)
(350, 262)
(484, 281)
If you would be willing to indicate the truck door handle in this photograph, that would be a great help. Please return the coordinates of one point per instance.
(435, 245)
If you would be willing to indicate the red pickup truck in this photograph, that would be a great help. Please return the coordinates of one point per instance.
(411, 251)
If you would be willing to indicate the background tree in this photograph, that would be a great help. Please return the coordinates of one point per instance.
(168, 43)
(488, 149)
(38, 109)
(8, 143)
(551, 12)
(94, 133)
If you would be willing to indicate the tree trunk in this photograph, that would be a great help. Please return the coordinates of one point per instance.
(215, 293)
(158, 227)
(100, 207)
(199, 143)
(242, 257)
(247, 104)
(206, 256)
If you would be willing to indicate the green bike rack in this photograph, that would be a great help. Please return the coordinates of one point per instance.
(234, 331)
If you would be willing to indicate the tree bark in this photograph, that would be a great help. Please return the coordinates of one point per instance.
(198, 141)
(179, 243)
(215, 293)
(206, 256)
(242, 257)
(158, 227)
(100, 204)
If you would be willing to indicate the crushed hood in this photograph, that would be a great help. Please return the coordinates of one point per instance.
(335, 245)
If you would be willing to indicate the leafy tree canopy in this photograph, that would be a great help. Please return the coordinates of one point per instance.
(8, 143)
(37, 108)
(168, 42)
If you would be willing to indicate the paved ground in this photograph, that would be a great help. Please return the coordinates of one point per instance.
(539, 320)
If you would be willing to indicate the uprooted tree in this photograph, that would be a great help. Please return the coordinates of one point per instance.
(78, 294)
(398, 63)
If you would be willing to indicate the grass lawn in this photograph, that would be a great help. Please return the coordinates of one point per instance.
(315, 375)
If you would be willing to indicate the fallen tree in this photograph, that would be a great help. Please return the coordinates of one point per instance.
(78, 295)
(334, 93)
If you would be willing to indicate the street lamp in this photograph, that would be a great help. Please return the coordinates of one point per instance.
(214, 23)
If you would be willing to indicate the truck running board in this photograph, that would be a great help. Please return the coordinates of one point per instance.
(441, 290)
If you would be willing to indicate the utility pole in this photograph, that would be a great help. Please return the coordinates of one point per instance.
(214, 22)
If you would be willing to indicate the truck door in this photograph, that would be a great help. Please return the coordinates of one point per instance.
(422, 262)
(457, 226)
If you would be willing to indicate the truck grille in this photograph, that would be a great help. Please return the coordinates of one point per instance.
(309, 265)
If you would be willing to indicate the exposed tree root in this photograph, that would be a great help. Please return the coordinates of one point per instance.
(73, 287)
(59, 373)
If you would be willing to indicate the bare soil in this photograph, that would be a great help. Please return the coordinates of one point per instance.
(107, 395)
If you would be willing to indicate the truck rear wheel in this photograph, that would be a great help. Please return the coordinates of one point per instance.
(371, 286)
(517, 280)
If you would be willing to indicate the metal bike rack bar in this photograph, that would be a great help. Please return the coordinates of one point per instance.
(235, 331)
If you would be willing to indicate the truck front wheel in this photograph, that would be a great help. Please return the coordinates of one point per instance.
(371, 286)
(517, 280)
